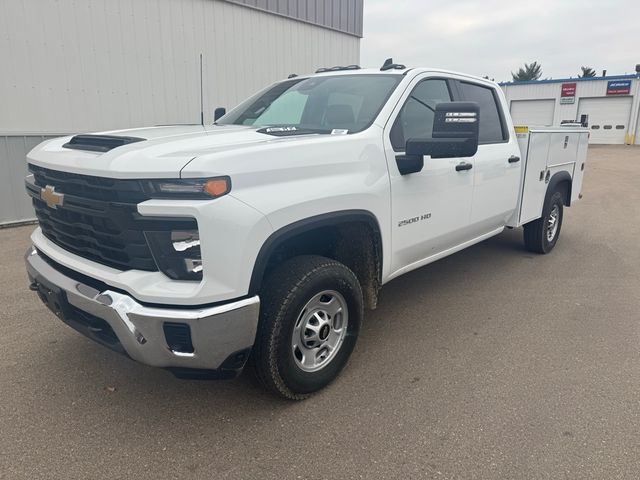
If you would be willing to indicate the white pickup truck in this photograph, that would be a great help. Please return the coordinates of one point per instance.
(262, 238)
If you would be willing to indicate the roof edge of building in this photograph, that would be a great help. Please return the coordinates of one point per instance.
(358, 34)
(576, 79)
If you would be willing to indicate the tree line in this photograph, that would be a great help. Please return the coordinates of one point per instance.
(533, 71)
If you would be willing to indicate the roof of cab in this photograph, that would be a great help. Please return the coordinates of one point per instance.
(413, 70)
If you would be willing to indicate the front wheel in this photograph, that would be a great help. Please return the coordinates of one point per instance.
(541, 235)
(311, 311)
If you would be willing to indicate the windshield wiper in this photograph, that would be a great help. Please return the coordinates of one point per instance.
(288, 130)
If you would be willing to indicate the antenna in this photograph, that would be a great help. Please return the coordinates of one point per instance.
(389, 65)
(201, 95)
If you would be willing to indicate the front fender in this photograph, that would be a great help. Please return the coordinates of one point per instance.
(294, 229)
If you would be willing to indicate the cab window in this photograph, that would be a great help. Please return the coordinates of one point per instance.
(415, 119)
(491, 122)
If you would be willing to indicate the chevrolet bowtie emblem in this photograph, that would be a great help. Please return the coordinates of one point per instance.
(52, 198)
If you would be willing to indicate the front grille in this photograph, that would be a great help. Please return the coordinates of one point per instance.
(87, 186)
(96, 237)
(98, 219)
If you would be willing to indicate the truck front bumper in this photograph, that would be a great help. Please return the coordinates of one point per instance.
(192, 342)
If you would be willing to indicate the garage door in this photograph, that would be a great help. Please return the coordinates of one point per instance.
(608, 118)
(532, 112)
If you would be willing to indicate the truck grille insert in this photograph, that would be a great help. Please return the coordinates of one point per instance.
(98, 218)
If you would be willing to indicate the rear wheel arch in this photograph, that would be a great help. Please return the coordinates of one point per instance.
(352, 237)
(560, 182)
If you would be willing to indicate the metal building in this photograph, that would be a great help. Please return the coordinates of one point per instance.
(73, 66)
(611, 105)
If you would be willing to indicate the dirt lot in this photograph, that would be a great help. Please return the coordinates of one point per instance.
(492, 363)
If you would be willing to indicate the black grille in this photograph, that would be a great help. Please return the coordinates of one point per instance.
(178, 337)
(86, 186)
(98, 219)
(93, 327)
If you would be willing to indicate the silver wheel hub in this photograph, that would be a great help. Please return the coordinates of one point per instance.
(552, 223)
(320, 330)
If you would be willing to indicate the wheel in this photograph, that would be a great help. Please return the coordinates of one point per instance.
(541, 235)
(310, 316)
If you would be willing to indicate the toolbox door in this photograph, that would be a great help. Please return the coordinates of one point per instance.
(535, 186)
(578, 172)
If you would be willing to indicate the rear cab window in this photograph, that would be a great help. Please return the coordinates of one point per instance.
(493, 127)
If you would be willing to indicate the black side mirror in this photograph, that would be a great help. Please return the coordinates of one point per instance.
(455, 134)
(218, 113)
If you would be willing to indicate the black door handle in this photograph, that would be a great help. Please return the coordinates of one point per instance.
(514, 159)
(463, 166)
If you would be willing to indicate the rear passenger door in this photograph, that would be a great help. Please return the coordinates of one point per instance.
(497, 164)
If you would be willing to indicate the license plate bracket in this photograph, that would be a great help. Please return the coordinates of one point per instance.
(54, 298)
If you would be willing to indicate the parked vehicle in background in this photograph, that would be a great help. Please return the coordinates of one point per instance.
(264, 237)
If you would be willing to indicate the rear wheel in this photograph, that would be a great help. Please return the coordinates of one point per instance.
(311, 310)
(541, 235)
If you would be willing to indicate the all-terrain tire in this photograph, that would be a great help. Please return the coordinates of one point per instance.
(285, 299)
(541, 235)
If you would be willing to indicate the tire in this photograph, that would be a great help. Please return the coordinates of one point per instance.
(541, 235)
(288, 357)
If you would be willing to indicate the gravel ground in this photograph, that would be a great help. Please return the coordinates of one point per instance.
(492, 363)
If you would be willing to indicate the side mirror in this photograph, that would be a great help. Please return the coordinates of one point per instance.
(218, 113)
(455, 132)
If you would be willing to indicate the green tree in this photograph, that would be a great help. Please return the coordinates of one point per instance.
(530, 71)
(587, 72)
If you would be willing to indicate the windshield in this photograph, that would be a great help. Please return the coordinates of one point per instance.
(324, 104)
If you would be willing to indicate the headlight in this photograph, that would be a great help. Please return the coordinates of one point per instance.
(177, 253)
(196, 188)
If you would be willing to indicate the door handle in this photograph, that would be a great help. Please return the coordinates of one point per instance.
(514, 159)
(463, 166)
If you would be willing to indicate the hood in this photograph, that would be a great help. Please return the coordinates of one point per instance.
(159, 152)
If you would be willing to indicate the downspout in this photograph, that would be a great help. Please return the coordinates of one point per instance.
(630, 137)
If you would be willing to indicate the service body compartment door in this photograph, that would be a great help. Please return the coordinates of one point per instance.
(534, 187)
(547, 152)
(578, 172)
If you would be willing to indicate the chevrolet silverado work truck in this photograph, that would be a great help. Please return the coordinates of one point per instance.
(263, 237)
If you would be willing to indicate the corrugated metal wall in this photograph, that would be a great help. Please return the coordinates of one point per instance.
(15, 205)
(83, 65)
(342, 15)
(89, 65)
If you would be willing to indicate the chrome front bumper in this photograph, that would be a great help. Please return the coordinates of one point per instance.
(222, 336)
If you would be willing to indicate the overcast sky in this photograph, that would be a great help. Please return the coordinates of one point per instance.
(495, 37)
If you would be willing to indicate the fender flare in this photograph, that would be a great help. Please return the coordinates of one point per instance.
(557, 178)
(307, 224)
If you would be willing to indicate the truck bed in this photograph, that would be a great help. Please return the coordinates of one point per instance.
(546, 151)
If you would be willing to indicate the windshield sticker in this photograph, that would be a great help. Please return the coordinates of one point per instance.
(339, 131)
(280, 129)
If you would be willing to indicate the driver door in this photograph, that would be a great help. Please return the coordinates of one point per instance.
(430, 209)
